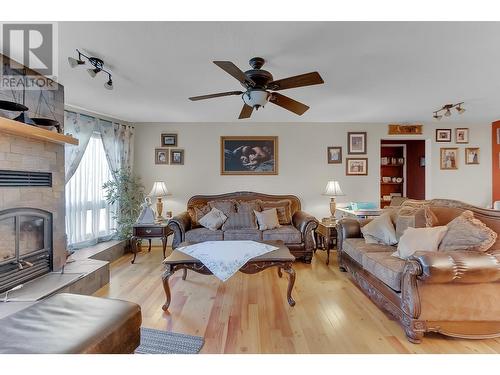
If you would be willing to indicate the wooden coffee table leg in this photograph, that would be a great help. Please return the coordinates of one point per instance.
(291, 281)
(184, 273)
(168, 272)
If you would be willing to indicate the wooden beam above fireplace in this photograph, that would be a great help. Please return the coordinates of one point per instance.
(17, 128)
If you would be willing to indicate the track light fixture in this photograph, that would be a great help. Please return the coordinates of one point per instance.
(447, 110)
(97, 67)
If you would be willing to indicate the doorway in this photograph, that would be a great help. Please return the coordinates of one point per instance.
(402, 170)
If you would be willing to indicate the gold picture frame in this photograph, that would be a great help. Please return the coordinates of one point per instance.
(161, 156)
(448, 158)
(249, 155)
(462, 135)
(176, 156)
(472, 155)
(356, 166)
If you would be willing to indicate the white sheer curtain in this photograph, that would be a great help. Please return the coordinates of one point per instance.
(81, 127)
(88, 217)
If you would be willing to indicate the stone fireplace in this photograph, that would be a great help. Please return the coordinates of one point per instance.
(32, 226)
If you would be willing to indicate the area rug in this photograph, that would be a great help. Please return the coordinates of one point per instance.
(154, 341)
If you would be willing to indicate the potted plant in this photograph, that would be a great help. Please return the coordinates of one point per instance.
(126, 192)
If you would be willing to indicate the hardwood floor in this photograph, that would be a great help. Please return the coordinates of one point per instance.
(250, 314)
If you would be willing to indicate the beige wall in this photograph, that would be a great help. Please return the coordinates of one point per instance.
(303, 169)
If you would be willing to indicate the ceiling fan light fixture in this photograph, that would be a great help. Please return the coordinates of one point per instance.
(256, 98)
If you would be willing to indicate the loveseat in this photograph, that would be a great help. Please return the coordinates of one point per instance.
(296, 233)
(455, 293)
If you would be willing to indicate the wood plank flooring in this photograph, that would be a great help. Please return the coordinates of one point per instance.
(250, 314)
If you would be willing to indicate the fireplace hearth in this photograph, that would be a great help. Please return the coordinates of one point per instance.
(25, 246)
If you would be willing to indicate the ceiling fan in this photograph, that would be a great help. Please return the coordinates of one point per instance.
(260, 86)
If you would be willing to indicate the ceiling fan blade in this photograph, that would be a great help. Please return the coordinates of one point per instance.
(246, 111)
(236, 72)
(209, 96)
(307, 79)
(288, 103)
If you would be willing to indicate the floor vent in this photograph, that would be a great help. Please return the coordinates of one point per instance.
(22, 178)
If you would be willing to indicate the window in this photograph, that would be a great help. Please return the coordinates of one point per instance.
(88, 216)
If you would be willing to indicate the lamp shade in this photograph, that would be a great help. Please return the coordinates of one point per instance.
(333, 189)
(159, 189)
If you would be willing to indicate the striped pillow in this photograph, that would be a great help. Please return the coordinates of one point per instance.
(240, 220)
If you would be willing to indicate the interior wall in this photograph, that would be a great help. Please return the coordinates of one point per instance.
(495, 158)
(303, 167)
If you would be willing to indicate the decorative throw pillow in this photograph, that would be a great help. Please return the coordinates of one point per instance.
(240, 220)
(267, 219)
(419, 239)
(196, 213)
(414, 217)
(380, 230)
(213, 220)
(283, 208)
(251, 206)
(226, 206)
(467, 233)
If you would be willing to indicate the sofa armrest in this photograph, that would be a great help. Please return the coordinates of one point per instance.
(302, 220)
(348, 228)
(464, 267)
(179, 224)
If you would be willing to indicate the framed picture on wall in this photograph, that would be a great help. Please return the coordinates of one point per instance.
(356, 143)
(334, 155)
(449, 158)
(176, 157)
(443, 135)
(251, 155)
(168, 140)
(472, 155)
(161, 156)
(462, 135)
(356, 167)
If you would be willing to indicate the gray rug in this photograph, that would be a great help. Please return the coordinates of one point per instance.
(154, 341)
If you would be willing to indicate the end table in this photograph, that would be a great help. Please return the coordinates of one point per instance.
(149, 231)
(326, 237)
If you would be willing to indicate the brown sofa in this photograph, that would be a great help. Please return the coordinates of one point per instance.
(298, 236)
(453, 293)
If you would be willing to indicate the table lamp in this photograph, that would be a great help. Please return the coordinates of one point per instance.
(158, 191)
(333, 190)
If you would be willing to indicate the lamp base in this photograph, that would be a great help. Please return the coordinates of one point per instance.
(159, 210)
(333, 207)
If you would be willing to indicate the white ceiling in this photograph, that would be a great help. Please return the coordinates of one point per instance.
(373, 71)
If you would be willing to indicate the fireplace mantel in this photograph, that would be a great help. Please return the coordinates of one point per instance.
(17, 128)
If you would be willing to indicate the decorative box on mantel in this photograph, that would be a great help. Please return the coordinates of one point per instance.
(25, 148)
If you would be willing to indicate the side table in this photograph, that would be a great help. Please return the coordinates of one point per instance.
(326, 237)
(149, 231)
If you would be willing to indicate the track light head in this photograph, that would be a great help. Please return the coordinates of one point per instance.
(447, 113)
(437, 117)
(75, 62)
(109, 84)
(93, 72)
(460, 110)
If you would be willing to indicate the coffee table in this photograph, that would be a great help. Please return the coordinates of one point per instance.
(280, 258)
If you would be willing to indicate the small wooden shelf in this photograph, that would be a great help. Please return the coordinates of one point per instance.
(18, 128)
(392, 165)
(391, 183)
